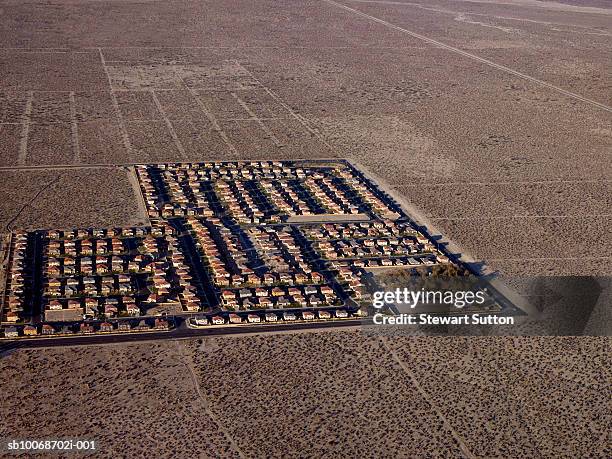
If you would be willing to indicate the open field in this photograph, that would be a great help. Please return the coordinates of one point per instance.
(68, 198)
(333, 394)
(144, 400)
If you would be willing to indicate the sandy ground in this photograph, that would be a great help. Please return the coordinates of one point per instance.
(68, 198)
(130, 399)
(337, 394)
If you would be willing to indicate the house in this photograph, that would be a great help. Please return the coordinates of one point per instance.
(237, 280)
(47, 329)
(71, 290)
(269, 279)
(54, 282)
(228, 295)
(86, 328)
(142, 326)
(53, 234)
(250, 303)
(12, 316)
(200, 320)
(235, 319)
(161, 324)
(289, 316)
(132, 309)
(110, 310)
(253, 318)
(11, 332)
(218, 320)
(265, 303)
(341, 314)
(308, 315)
(252, 279)
(315, 300)
(106, 327)
(324, 315)
(54, 305)
(271, 317)
(123, 326)
(316, 277)
(301, 300)
(283, 302)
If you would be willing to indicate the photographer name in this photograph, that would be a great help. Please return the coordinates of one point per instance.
(430, 319)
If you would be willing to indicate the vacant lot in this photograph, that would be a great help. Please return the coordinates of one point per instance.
(129, 399)
(326, 394)
(68, 199)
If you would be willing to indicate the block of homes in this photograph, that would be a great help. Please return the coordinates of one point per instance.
(224, 237)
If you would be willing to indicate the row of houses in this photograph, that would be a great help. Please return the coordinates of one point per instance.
(86, 247)
(14, 288)
(287, 316)
(285, 197)
(97, 233)
(67, 287)
(95, 266)
(360, 187)
(363, 230)
(239, 202)
(86, 328)
(370, 248)
(282, 254)
(278, 297)
(90, 307)
(333, 198)
(248, 170)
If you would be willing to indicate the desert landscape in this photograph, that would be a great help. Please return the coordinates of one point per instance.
(332, 394)
(492, 118)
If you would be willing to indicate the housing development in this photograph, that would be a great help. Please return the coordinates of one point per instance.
(228, 242)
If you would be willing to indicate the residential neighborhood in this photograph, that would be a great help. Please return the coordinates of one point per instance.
(224, 238)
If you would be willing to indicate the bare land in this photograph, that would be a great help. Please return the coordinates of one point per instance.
(136, 398)
(68, 198)
(333, 394)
